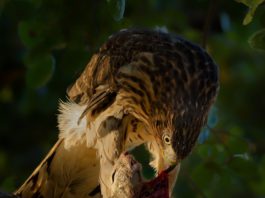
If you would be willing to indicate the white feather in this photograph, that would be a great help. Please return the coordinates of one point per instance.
(84, 131)
(70, 130)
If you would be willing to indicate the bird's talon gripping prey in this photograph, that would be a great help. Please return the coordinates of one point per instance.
(164, 86)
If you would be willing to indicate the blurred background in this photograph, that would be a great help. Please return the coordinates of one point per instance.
(44, 45)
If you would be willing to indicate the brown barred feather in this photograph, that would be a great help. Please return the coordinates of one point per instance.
(162, 74)
(140, 87)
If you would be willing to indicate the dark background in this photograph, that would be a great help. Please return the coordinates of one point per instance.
(45, 44)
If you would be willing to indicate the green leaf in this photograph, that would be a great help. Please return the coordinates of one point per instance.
(241, 167)
(237, 145)
(40, 70)
(28, 33)
(259, 185)
(204, 150)
(257, 40)
(252, 4)
(117, 8)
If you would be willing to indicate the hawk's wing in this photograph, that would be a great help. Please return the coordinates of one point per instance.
(64, 173)
(96, 79)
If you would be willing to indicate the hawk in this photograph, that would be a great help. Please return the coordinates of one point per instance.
(141, 87)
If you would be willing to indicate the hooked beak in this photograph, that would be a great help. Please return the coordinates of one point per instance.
(170, 168)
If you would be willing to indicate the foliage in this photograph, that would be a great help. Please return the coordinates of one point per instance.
(45, 45)
(253, 5)
(257, 40)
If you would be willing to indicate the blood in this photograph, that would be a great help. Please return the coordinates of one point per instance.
(156, 188)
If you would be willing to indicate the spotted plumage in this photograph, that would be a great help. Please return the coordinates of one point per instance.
(157, 75)
(142, 86)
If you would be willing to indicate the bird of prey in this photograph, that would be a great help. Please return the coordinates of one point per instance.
(141, 87)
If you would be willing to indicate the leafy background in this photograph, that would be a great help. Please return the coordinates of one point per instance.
(44, 45)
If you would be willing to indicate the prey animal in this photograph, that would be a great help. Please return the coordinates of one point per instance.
(128, 181)
(141, 87)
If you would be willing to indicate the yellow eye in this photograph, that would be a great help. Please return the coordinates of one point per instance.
(166, 139)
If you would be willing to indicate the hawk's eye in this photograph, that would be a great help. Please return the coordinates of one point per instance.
(166, 139)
